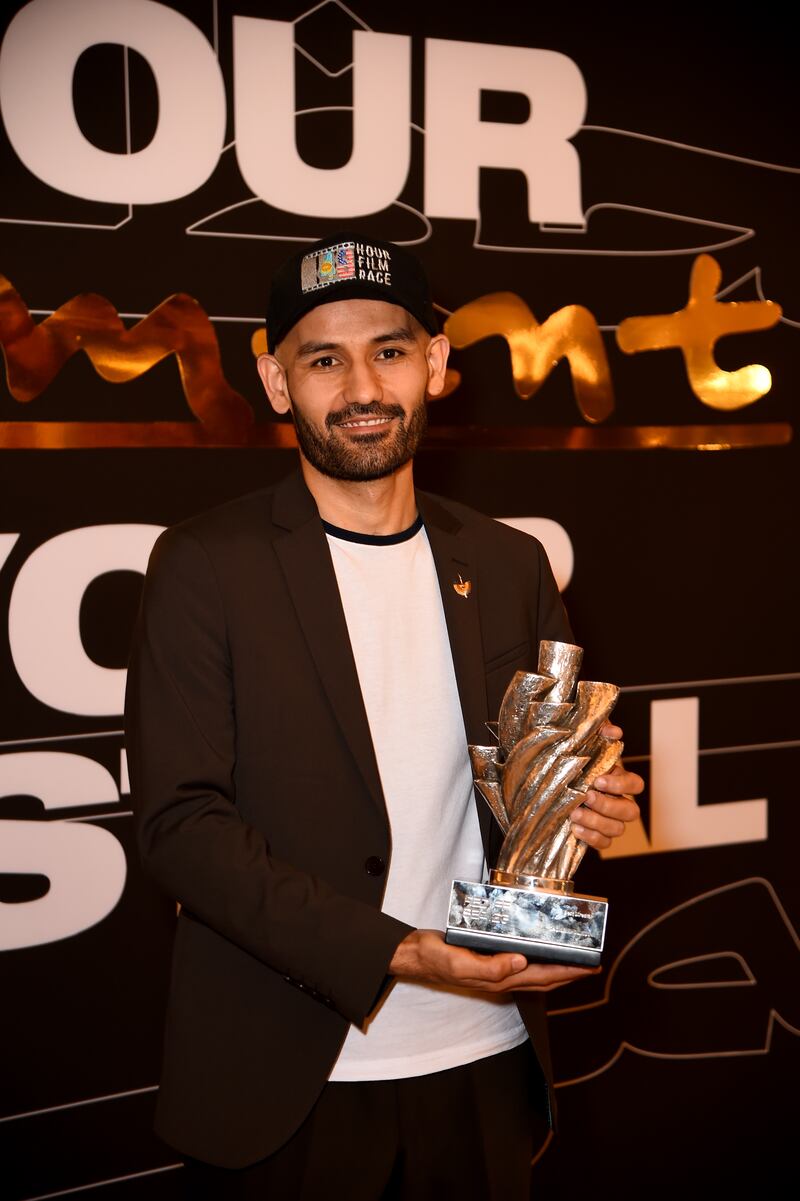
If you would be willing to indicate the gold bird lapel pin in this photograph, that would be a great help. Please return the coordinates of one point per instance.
(462, 587)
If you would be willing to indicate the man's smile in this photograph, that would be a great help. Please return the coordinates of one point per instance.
(356, 423)
(365, 419)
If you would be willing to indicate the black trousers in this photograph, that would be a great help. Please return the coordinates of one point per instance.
(468, 1134)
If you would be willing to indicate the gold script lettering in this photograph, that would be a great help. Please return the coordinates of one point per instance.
(571, 333)
(34, 354)
(695, 330)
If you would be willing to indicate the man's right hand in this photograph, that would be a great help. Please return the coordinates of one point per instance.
(424, 955)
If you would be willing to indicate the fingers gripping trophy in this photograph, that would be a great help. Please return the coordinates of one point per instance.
(549, 752)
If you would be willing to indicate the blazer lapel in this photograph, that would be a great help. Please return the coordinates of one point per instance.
(456, 564)
(305, 558)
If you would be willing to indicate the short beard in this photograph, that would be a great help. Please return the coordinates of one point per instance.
(374, 456)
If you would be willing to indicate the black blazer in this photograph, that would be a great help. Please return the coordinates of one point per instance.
(258, 798)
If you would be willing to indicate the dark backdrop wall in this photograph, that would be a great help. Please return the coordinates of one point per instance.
(157, 162)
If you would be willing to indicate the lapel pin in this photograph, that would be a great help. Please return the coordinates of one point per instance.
(462, 587)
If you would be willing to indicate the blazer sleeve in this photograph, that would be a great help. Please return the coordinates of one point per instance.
(181, 740)
(552, 621)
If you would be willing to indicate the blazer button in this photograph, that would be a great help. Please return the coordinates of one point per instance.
(374, 866)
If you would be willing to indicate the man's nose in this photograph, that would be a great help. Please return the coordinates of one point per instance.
(362, 384)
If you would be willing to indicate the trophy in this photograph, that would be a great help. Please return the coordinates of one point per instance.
(549, 751)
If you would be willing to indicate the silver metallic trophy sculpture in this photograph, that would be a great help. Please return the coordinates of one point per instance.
(549, 751)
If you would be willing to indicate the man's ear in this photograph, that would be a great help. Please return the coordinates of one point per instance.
(437, 351)
(273, 377)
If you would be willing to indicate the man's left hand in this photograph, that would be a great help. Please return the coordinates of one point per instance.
(609, 804)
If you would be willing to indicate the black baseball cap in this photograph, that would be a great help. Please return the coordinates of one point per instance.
(347, 266)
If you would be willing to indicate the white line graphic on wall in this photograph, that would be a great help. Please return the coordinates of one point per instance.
(749, 978)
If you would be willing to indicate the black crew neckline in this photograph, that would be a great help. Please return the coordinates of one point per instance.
(336, 531)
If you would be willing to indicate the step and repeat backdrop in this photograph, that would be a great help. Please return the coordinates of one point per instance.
(606, 203)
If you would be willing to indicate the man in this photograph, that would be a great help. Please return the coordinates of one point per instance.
(305, 680)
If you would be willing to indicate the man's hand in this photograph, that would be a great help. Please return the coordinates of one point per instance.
(424, 955)
(609, 804)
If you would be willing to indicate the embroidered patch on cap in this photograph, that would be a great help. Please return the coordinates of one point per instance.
(328, 266)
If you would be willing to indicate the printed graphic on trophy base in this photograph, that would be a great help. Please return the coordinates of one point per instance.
(544, 926)
(550, 748)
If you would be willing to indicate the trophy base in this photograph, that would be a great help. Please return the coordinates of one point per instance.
(544, 925)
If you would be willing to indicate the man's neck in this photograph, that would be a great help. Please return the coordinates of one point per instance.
(385, 506)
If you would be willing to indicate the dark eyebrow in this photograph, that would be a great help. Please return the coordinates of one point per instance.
(315, 348)
(401, 334)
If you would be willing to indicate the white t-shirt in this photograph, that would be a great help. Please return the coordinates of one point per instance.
(393, 606)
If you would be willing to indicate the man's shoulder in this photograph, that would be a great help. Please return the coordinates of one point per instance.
(229, 538)
(243, 515)
(238, 513)
(485, 531)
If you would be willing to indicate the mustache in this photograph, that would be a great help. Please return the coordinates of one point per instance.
(374, 409)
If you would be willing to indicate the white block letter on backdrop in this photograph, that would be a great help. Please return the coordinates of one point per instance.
(37, 62)
(44, 616)
(84, 864)
(458, 143)
(678, 822)
(266, 144)
(7, 542)
(678, 819)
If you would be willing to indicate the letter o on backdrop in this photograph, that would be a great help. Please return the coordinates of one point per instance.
(37, 62)
(44, 616)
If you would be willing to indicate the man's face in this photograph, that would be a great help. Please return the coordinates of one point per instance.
(354, 374)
